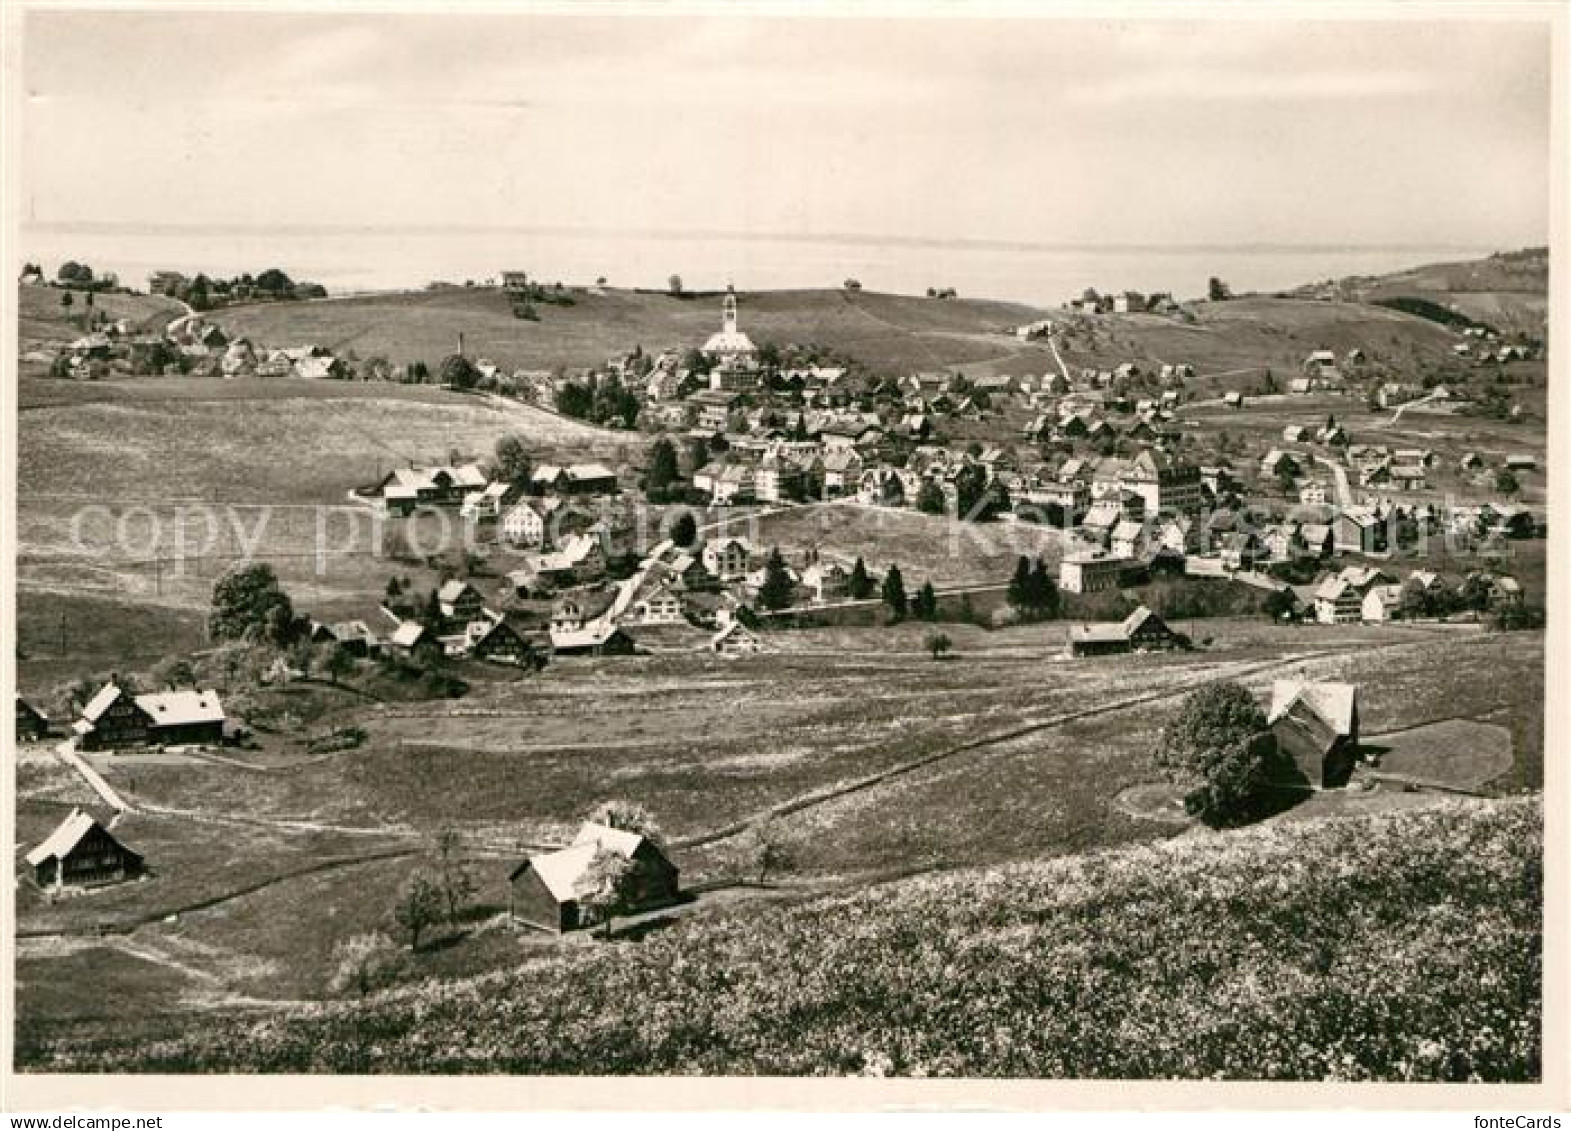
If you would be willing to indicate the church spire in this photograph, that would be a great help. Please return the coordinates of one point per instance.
(728, 311)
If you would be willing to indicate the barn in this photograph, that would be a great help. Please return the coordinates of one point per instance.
(1316, 725)
(82, 853)
(114, 718)
(546, 887)
(31, 723)
(1141, 631)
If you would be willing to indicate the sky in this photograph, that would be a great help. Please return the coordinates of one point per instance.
(1041, 130)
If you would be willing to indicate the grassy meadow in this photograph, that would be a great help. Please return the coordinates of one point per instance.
(1398, 946)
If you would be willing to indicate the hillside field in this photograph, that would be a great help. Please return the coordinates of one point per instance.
(875, 761)
(1402, 946)
(43, 323)
(893, 333)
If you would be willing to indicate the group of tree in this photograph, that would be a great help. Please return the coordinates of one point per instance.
(438, 891)
(249, 604)
(942, 292)
(861, 585)
(202, 292)
(511, 460)
(663, 478)
(1032, 591)
(1220, 752)
(777, 590)
(598, 399)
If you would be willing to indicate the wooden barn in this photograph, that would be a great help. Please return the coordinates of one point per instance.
(1141, 631)
(31, 723)
(546, 888)
(1316, 725)
(114, 718)
(82, 853)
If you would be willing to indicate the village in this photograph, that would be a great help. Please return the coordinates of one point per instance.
(784, 515)
(1313, 531)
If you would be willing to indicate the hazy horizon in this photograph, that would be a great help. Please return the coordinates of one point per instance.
(988, 133)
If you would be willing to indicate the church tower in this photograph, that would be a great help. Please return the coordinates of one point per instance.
(728, 312)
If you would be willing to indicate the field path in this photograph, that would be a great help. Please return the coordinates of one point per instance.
(1236, 670)
(68, 755)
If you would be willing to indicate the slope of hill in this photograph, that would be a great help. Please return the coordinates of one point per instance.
(42, 322)
(883, 331)
(1508, 290)
(1400, 946)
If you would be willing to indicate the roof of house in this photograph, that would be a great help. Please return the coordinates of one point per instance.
(562, 871)
(101, 702)
(67, 835)
(1333, 702)
(452, 590)
(590, 635)
(180, 708)
(407, 634)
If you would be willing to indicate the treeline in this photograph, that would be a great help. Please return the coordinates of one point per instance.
(202, 292)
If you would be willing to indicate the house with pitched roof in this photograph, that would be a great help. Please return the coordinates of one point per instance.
(736, 639)
(81, 852)
(546, 889)
(114, 718)
(1141, 631)
(1316, 726)
(31, 723)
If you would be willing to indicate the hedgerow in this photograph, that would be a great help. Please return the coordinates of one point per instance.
(1403, 946)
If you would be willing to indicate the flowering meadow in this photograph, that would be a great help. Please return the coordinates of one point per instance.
(1398, 946)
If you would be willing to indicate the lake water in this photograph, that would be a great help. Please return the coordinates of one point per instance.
(1040, 274)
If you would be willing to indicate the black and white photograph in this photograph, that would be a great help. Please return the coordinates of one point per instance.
(909, 542)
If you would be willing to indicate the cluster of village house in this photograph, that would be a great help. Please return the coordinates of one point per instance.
(1127, 517)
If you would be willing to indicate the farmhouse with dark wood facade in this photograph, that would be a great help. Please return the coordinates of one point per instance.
(1316, 725)
(546, 888)
(82, 853)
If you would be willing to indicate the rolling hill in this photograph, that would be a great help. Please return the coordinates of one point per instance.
(894, 334)
(1397, 946)
(1508, 291)
(886, 332)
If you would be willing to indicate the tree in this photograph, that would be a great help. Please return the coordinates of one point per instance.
(930, 498)
(938, 644)
(249, 604)
(366, 962)
(1217, 290)
(174, 674)
(513, 462)
(852, 285)
(629, 816)
(274, 282)
(66, 300)
(1218, 748)
(604, 889)
(340, 663)
(73, 272)
(766, 851)
(1042, 590)
(894, 592)
(419, 906)
(684, 530)
(860, 586)
(453, 874)
(1018, 593)
(925, 604)
(775, 593)
(458, 371)
(663, 473)
(674, 284)
(1506, 482)
(697, 452)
